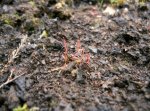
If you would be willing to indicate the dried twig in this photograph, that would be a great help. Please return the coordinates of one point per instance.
(66, 67)
(14, 54)
(10, 80)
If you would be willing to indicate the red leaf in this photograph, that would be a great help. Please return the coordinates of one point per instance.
(65, 46)
(78, 45)
(88, 58)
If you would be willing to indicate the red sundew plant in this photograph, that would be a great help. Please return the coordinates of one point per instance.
(79, 57)
(65, 55)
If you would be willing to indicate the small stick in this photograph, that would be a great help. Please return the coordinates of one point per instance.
(67, 67)
(14, 54)
(10, 80)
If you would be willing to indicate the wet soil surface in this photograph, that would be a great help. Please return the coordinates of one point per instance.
(117, 78)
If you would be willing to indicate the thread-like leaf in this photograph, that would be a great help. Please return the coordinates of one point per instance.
(65, 46)
(78, 45)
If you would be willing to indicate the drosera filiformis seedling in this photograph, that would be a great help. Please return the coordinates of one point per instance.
(73, 59)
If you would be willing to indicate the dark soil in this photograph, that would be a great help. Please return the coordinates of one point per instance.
(117, 78)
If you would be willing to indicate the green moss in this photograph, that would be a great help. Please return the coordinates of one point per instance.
(117, 2)
(25, 108)
(31, 23)
(21, 108)
(44, 34)
(32, 3)
(10, 19)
